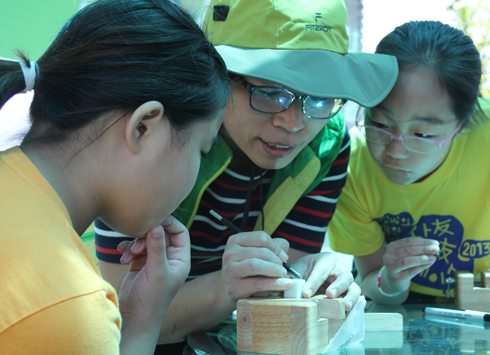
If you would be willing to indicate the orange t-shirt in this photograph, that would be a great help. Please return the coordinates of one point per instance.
(53, 299)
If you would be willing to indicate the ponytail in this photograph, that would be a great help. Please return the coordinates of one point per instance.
(16, 77)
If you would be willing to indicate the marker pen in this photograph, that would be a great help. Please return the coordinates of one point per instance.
(461, 313)
(458, 321)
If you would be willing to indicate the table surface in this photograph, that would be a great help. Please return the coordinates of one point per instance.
(422, 334)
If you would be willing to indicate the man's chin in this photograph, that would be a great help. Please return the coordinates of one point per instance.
(275, 163)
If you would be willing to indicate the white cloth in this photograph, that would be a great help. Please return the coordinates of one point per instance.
(352, 331)
(29, 75)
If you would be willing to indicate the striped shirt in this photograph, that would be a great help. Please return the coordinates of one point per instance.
(304, 227)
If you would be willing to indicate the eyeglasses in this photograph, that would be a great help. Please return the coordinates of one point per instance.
(271, 99)
(414, 144)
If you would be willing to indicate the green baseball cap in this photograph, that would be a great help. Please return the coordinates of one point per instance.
(302, 45)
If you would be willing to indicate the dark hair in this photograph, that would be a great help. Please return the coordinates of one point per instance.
(447, 53)
(117, 55)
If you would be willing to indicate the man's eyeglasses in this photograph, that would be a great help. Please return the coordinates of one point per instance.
(414, 144)
(271, 99)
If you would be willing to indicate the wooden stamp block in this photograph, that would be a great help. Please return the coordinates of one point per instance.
(297, 326)
(467, 296)
(334, 326)
(281, 326)
(485, 278)
(330, 308)
(384, 340)
(383, 322)
(473, 340)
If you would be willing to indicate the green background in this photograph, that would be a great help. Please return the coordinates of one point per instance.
(31, 25)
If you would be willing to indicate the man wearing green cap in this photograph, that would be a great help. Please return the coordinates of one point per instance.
(279, 165)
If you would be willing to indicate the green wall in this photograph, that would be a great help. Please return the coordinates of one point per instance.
(31, 25)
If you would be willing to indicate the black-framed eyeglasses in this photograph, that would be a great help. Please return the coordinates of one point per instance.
(271, 99)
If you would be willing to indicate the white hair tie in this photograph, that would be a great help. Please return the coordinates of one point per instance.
(29, 75)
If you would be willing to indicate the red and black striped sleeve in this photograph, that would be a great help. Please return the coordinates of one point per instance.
(306, 225)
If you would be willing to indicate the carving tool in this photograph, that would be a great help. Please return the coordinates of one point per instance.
(238, 230)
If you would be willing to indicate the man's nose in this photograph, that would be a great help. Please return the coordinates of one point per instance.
(292, 119)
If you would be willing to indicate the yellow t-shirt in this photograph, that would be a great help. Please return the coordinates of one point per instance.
(53, 299)
(452, 205)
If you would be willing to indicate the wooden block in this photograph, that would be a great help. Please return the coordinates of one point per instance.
(471, 338)
(467, 296)
(244, 325)
(281, 326)
(465, 281)
(383, 330)
(296, 326)
(330, 308)
(476, 300)
(485, 278)
(334, 326)
(383, 322)
(378, 340)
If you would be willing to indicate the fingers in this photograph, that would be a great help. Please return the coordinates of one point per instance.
(261, 240)
(132, 250)
(167, 221)
(257, 267)
(282, 243)
(405, 258)
(322, 266)
(340, 280)
(412, 241)
(178, 245)
(410, 253)
(138, 263)
(413, 251)
(252, 254)
(252, 262)
(250, 285)
(156, 252)
(352, 296)
(124, 245)
(179, 259)
(414, 246)
(176, 239)
(411, 272)
(173, 228)
(246, 253)
(409, 262)
(330, 276)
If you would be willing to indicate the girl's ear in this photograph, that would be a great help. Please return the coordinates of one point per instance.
(142, 123)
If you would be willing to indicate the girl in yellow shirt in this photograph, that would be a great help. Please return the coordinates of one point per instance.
(415, 206)
(127, 99)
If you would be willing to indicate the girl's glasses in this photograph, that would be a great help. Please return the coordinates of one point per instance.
(414, 144)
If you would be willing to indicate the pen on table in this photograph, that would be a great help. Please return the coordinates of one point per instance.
(461, 313)
(238, 230)
(458, 321)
